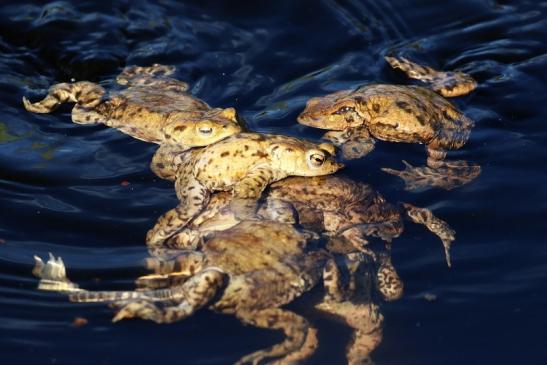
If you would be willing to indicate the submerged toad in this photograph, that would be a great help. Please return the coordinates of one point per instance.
(250, 270)
(399, 113)
(153, 108)
(244, 164)
(349, 213)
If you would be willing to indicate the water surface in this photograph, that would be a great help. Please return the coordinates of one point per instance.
(61, 184)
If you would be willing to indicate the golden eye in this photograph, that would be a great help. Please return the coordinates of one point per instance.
(317, 159)
(205, 130)
(344, 110)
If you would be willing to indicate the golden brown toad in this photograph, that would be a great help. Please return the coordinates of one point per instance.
(153, 108)
(399, 113)
(250, 270)
(244, 164)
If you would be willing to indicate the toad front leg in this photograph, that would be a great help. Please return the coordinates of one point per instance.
(166, 160)
(193, 197)
(300, 341)
(248, 190)
(353, 142)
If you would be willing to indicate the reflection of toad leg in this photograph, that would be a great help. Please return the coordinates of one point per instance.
(437, 226)
(443, 174)
(300, 338)
(450, 173)
(353, 142)
(438, 172)
(332, 282)
(388, 282)
(366, 273)
(366, 322)
(386, 231)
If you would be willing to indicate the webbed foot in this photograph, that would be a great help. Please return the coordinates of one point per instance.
(52, 275)
(448, 175)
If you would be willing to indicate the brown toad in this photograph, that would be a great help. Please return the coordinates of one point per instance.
(399, 113)
(153, 108)
(244, 164)
(348, 212)
(250, 270)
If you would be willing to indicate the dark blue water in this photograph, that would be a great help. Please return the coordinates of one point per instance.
(61, 185)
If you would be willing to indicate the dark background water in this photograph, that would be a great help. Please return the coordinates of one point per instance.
(61, 185)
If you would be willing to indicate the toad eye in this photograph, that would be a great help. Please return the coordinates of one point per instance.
(205, 130)
(317, 159)
(344, 110)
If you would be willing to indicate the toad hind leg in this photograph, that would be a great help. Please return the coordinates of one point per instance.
(437, 226)
(365, 320)
(151, 76)
(300, 341)
(53, 277)
(169, 272)
(86, 94)
(193, 197)
(194, 294)
(448, 84)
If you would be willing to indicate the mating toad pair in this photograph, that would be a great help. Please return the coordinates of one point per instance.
(239, 254)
